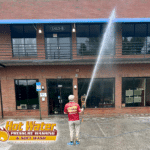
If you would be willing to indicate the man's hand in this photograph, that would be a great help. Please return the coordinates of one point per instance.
(82, 110)
(65, 113)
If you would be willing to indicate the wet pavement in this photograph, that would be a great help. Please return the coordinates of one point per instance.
(115, 133)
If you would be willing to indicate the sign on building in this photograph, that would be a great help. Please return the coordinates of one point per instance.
(38, 86)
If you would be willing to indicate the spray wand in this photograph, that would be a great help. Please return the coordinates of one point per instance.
(83, 103)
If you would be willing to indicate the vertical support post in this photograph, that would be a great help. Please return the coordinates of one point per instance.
(1, 100)
(118, 92)
(39, 105)
(38, 89)
(75, 91)
(144, 91)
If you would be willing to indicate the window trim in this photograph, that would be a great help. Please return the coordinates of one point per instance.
(26, 93)
(133, 79)
(102, 80)
(88, 24)
(23, 39)
(134, 28)
(45, 37)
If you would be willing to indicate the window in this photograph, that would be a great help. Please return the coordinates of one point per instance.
(58, 41)
(24, 40)
(101, 94)
(135, 38)
(26, 94)
(89, 37)
(135, 92)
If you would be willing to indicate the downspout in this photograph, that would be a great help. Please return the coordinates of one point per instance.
(1, 101)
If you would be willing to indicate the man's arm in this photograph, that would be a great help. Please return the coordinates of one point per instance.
(79, 110)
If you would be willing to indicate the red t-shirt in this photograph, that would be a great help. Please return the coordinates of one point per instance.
(72, 109)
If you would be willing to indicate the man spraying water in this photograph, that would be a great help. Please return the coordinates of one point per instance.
(73, 110)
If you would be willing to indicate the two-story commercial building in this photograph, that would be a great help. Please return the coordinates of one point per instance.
(57, 42)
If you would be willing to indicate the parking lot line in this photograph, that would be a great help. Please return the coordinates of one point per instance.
(2, 123)
(100, 129)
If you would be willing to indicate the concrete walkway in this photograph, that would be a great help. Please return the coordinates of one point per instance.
(122, 133)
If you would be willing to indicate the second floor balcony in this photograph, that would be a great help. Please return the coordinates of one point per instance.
(57, 44)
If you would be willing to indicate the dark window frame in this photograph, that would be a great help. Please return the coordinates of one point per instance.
(133, 82)
(102, 80)
(26, 93)
(82, 49)
(88, 24)
(134, 28)
(23, 37)
(58, 33)
(135, 44)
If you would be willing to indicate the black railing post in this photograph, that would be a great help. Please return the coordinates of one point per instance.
(82, 52)
(18, 51)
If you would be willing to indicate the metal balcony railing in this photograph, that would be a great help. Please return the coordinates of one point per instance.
(58, 51)
(70, 51)
(132, 48)
(20, 50)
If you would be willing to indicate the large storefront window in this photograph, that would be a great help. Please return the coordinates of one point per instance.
(135, 38)
(101, 94)
(26, 94)
(135, 92)
(23, 40)
(89, 37)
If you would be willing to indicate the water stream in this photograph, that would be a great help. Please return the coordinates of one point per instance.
(106, 45)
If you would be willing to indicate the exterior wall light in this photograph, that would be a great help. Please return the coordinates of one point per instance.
(42, 87)
(75, 87)
(74, 28)
(40, 31)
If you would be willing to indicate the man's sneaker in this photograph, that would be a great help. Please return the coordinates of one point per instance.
(77, 142)
(70, 143)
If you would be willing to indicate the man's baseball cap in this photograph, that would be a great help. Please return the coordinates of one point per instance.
(71, 97)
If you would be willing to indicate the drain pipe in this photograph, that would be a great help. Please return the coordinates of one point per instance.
(1, 101)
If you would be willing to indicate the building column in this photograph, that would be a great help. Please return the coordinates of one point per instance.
(8, 96)
(74, 44)
(0, 102)
(40, 42)
(5, 41)
(118, 40)
(75, 91)
(44, 104)
(118, 92)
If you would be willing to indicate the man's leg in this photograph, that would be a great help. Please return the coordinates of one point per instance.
(71, 128)
(77, 128)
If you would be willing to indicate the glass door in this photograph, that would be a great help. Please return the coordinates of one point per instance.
(58, 41)
(58, 92)
(52, 51)
(64, 46)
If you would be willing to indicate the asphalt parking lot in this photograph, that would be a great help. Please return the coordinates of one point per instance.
(122, 133)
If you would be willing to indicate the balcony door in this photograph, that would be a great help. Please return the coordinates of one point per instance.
(58, 42)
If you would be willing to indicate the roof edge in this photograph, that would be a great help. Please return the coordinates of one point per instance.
(88, 20)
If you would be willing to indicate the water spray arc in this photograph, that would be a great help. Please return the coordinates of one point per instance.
(103, 45)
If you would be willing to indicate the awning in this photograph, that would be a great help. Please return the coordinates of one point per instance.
(98, 20)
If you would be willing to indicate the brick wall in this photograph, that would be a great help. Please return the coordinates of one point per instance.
(0, 103)
(5, 42)
(52, 72)
(6, 46)
(40, 42)
(72, 9)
